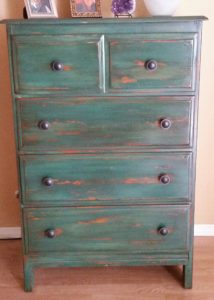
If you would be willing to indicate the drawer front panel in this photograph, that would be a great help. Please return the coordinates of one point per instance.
(104, 123)
(116, 229)
(57, 63)
(117, 178)
(152, 62)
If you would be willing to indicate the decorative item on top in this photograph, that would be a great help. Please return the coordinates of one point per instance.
(161, 7)
(123, 8)
(40, 9)
(85, 8)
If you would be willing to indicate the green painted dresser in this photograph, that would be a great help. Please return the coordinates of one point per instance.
(105, 116)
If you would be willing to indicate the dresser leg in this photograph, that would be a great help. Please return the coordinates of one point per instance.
(28, 277)
(187, 274)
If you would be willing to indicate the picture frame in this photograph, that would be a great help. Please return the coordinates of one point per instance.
(41, 9)
(85, 8)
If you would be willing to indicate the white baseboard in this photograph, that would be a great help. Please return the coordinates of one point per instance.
(10, 233)
(204, 230)
(15, 232)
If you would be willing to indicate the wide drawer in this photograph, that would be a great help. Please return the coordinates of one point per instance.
(91, 123)
(84, 179)
(152, 62)
(48, 63)
(116, 229)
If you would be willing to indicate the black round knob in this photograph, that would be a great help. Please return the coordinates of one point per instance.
(164, 179)
(50, 233)
(44, 125)
(165, 123)
(163, 230)
(151, 65)
(57, 66)
(47, 181)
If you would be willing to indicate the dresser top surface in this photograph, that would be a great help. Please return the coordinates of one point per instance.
(103, 20)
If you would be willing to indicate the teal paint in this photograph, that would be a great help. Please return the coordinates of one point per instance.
(105, 149)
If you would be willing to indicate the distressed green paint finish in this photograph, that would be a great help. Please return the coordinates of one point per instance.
(92, 179)
(105, 149)
(173, 54)
(166, 24)
(86, 63)
(98, 259)
(33, 56)
(88, 123)
(117, 229)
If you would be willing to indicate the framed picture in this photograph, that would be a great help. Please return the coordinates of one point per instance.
(85, 8)
(41, 9)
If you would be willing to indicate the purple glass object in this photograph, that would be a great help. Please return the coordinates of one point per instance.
(123, 6)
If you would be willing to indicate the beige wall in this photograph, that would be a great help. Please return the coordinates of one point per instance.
(9, 210)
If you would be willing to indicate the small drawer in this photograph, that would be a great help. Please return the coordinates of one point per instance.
(104, 123)
(107, 179)
(152, 63)
(54, 64)
(137, 63)
(117, 229)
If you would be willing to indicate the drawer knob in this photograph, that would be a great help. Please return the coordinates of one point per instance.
(163, 231)
(57, 66)
(165, 123)
(50, 233)
(151, 65)
(47, 181)
(164, 179)
(44, 125)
